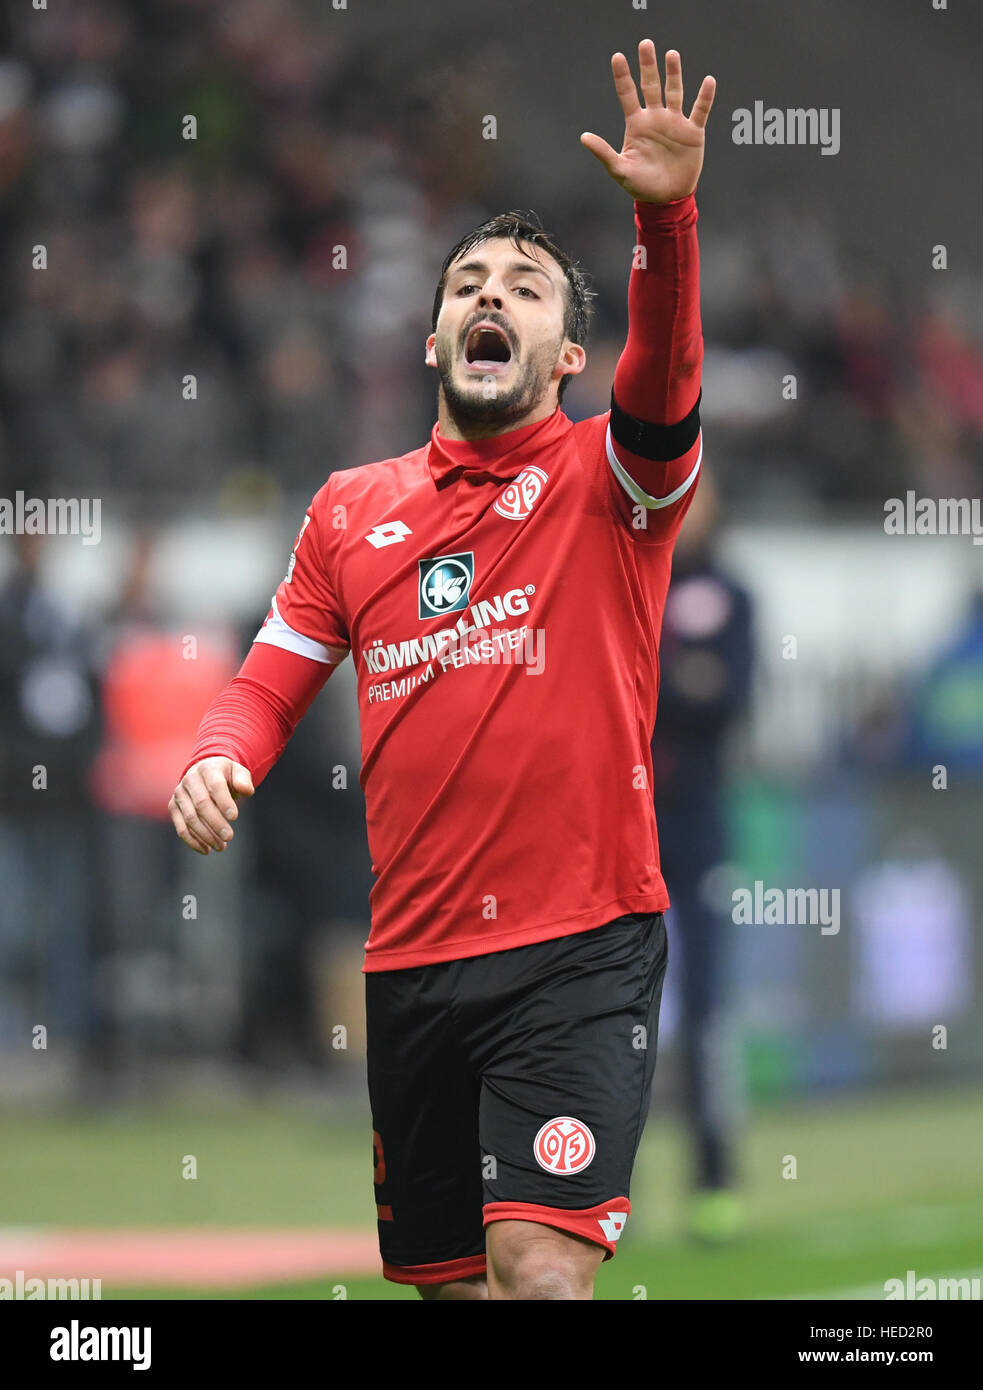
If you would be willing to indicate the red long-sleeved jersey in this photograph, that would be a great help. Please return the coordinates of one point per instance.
(502, 600)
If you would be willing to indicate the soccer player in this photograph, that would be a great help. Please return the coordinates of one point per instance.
(500, 590)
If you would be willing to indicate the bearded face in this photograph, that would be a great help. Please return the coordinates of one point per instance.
(500, 335)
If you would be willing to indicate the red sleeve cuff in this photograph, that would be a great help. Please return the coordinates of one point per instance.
(665, 214)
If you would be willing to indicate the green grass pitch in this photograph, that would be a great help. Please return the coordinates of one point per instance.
(883, 1185)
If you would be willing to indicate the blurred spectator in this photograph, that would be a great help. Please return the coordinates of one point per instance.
(705, 661)
(946, 712)
(49, 724)
(156, 685)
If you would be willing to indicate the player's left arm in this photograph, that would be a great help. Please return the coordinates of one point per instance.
(654, 442)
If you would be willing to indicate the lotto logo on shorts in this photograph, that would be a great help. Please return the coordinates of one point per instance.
(564, 1145)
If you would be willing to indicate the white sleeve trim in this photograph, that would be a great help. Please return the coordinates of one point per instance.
(277, 633)
(635, 492)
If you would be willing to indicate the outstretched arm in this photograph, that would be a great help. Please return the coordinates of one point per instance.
(654, 444)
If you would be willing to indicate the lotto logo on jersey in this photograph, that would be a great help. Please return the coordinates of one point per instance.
(564, 1145)
(445, 584)
(518, 499)
(389, 533)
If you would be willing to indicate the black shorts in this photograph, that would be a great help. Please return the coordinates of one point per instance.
(513, 1085)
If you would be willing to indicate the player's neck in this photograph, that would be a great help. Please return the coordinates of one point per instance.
(452, 428)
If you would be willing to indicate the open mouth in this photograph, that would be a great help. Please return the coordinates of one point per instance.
(487, 347)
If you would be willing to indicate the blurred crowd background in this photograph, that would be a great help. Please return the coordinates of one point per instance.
(285, 258)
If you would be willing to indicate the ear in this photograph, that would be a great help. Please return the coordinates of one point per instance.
(572, 361)
(431, 357)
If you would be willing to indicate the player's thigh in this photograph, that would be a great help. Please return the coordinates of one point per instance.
(424, 1102)
(567, 1079)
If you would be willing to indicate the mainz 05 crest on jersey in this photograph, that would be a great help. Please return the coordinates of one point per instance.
(445, 584)
(518, 499)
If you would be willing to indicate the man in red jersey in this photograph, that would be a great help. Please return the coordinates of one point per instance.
(501, 591)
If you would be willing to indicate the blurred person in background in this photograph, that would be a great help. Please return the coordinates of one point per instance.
(945, 715)
(706, 660)
(156, 683)
(49, 727)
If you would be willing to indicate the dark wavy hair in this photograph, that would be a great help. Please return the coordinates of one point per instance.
(524, 226)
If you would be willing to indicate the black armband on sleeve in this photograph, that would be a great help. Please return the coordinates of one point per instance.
(657, 442)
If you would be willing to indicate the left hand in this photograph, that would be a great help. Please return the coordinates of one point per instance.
(662, 154)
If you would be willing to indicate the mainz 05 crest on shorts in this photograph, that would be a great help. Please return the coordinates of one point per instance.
(564, 1145)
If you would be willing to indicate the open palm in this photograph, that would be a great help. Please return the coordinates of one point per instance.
(662, 154)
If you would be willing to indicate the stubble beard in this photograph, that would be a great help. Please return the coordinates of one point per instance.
(476, 405)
